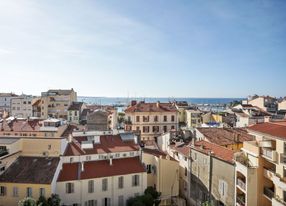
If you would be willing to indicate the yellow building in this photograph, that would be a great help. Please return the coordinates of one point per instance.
(260, 167)
(151, 119)
(54, 103)
(28, 177)
(162, 174)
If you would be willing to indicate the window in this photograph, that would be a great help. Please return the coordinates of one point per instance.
(172, 118)
(69, 188)
(15, 192)
(29, 192)
(137, 118)
(90, 186)
(137, 128)
(155, 118)
(165, 118)
(155, 129)
(172, 127)
(88, 158)
(135, 180)
(145, 118)
(2, 191)
(106, 201)
(120, 182)
(91, 203)
(149, 169)
(42, 192)
(222, 188)
(120, 200)
(71, 160)
(186, 172)
(165, 128)
(104, 185)
(117, 155)
(49, 147)
(145, 129)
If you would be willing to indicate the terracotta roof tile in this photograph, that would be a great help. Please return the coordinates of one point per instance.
(276, 129)
(102, 168)
(225, 136)
(217, 150)
(151, 107)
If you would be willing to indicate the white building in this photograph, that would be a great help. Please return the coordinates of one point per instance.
(5, 101)
(21, 106)
(101, 169)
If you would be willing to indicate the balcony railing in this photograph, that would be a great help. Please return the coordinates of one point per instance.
(268, 192)
(240, 200)
(269, 154)
(241, 183)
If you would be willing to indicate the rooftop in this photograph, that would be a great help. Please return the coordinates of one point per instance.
(32, 170)
(275, 129)
(108, 144)
(216, 150)
(102, 168)
(225, 136)
(75, 106)
(152, 107)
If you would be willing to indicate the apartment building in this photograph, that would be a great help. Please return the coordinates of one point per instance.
(151, 119)
(282, 104)
(260, 167)
(247, 115)
(21, 107)
(212, 174)
(75, 112)
(5, 101)
(193, 118)
(231, 138)
(101, 168)
(266, 103)
(54, 103)
(182, 106)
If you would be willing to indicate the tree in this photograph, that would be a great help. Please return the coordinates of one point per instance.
(54, 200)
(42, 201)
(28, 201)
(150, 197)
(155, 195)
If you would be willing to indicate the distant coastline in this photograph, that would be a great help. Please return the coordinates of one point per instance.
(125, 100)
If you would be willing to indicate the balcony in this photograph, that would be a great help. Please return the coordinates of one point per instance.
(251, 146)
(283, 158)
(269, 154)
(278, 202)
(3, 152)
(240, 200)
(266, 143)
(269, 173)
(268, 193)
(241, 184)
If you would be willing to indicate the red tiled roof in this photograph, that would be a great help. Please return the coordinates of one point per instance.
(217, 150)
(183, 149)
(151, 107)
(102, 168)
(73, 149)
(225, 136)
(276, 129)
(108, 144)
(17, 125)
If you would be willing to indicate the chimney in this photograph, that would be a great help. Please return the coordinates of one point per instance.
(158, 104)
(82, 166)
(266, 119)
(133, 102)
(70, 137)
(110, 161)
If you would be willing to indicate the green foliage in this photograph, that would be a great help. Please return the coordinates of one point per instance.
(120, 117)
(27, 202)
(42, 201)
(150, 197)
(54, 200)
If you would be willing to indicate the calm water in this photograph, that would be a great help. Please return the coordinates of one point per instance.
(125, 101)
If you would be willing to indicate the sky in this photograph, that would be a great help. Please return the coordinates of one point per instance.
(144, 48)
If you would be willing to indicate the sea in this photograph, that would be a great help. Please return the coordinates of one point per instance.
(207, 104)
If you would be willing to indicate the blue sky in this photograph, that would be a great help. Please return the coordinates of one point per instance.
(162, 48)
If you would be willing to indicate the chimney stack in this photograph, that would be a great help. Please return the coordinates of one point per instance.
(158, 104)
(82, 166)
(110, 161)
(70, 137)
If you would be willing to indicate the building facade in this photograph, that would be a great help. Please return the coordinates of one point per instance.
(21, 107)
(5, 101)
(151, 119)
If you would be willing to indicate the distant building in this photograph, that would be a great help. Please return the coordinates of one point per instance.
(21, 106)
(75, 112)
(282, 104)
(98, 120)
(182, 106)
(54, 103)
(193, 118)
(231, 138)
(5, 101)
(151, 119)
(266, 103)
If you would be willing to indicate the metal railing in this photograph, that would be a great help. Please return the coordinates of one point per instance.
(268, 192)
(241, 183)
